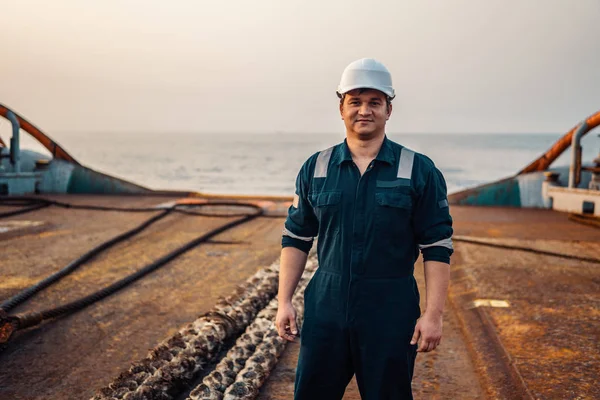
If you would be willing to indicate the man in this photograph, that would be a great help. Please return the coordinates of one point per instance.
(373, 204)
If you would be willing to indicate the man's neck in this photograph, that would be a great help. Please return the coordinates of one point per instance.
(364, 149)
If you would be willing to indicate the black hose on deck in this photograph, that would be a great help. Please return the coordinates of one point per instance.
(26, 293)
(527, 249)
(23, 210)
(20, 297)
(30, 204)
(15, 201)
(28, 320)
(20, 201)
(37, 203)
(177, 208)
(588, 220)
(11, 323)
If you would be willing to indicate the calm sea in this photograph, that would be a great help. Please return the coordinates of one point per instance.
(268, 163)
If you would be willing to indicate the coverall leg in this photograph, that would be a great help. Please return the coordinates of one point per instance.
(325, 361)
(372, 339)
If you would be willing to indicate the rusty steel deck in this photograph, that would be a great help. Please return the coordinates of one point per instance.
(544, 345)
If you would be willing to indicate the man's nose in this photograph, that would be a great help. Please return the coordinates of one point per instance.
(364, 109)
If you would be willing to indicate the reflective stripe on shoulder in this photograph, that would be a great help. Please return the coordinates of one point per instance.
(286, 232)
(447, 243)
(405, 165)
(323, 163)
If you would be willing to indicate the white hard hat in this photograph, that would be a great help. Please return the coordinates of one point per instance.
(366, 73)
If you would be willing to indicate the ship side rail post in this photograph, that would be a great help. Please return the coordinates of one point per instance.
(15, 146)
(575, 167)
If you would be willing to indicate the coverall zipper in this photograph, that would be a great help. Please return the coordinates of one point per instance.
(353, 230)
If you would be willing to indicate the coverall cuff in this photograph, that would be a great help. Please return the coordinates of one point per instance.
(302, 245)
(437, 253)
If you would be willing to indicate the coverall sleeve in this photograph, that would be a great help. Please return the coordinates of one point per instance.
(432, 221)
(301, 225)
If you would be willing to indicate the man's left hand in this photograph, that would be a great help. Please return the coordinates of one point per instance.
(429, 330)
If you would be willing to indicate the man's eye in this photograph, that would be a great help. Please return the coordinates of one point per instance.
(375, 103)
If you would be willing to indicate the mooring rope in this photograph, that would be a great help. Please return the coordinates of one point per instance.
(174, 363)
(247, 365)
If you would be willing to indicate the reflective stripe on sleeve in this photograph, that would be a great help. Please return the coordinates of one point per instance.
(447, 243)
(322, 163)
(286, 232)
(405, 165)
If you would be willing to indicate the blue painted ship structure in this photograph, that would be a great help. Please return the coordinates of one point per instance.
(574, 189)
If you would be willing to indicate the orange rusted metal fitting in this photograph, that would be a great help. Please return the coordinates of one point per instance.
(8, 325)
(54, 148)
(543, 162)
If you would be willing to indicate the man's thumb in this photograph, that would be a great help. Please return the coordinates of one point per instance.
(293, 327)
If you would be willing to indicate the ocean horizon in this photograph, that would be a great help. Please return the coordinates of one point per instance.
(268, 163)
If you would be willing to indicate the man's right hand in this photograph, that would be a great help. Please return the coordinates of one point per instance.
(286, 321)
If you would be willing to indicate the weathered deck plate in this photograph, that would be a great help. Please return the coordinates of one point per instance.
(72, 357)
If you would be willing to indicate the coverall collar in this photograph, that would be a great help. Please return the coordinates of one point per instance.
(386, 154)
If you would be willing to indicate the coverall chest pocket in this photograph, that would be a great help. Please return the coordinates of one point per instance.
(327, 206)
(392, 216)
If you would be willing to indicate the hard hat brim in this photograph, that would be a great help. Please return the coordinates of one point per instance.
(389, 94)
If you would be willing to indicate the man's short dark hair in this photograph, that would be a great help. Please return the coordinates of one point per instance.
(388, 99)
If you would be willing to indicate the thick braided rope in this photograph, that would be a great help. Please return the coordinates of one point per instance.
(175, 361)
(244, 369)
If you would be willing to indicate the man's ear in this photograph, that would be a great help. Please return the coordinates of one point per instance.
(389, 110)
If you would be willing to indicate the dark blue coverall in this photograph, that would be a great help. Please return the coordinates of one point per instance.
(362, 304)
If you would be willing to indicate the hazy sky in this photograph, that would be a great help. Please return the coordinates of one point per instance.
(274, 65)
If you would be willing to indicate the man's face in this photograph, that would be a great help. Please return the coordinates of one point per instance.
(365, 112)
